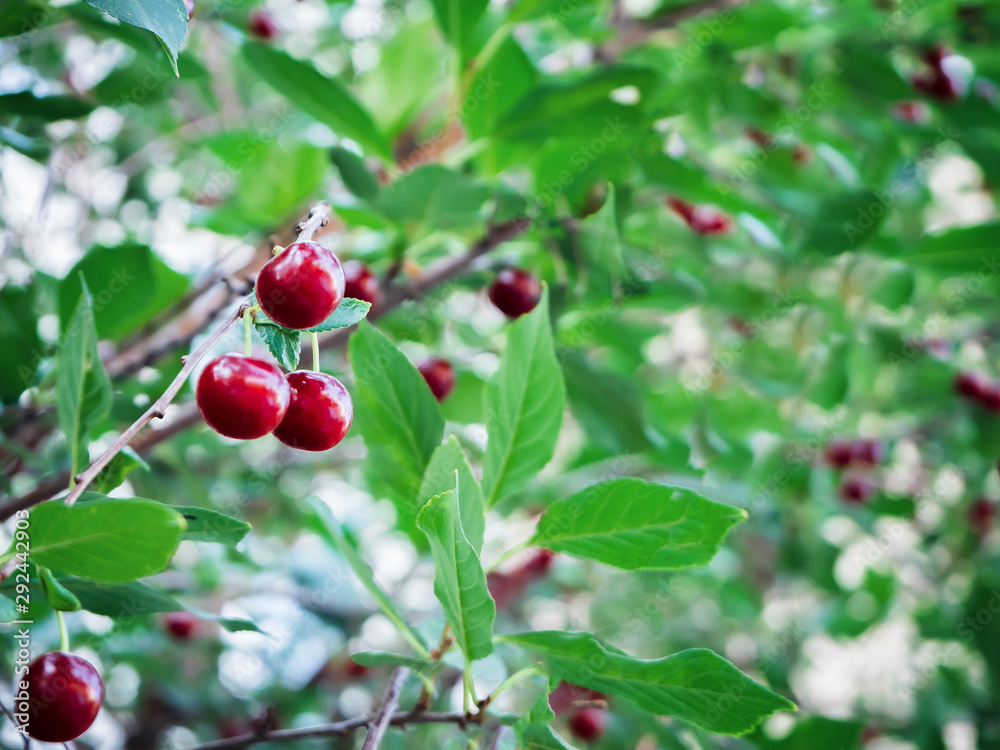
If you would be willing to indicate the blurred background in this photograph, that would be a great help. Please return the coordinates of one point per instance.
(769, 230)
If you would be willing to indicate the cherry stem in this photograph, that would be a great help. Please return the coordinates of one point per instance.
(511, 681)
(315, 343)
(319, 216)
(63, 633)
(509, 554)
(246, 331)
(468, 687)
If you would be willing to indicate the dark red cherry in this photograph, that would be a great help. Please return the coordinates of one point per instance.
(189, 5)
(588, 724)
(180, 625)
(515, 292)
(981, 514)
(440, 376)
(867, 452)
(989, 397)
(969, 385)
(64, 695)
(566, 696)
(540, 563)
(856, 490)
(263, 25)
(242, 397)
(354, 670)
(839, 453)
(360, 282)
(301, 286)
(320, 413)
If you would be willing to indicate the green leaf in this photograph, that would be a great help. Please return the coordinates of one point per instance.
(497, 86)
(283, 343)
(204, 525)
(602, 245)
(168, 19)
(533, 731)
(330, 529)
(48, 108)
(845, 222)
(348, 313)
(607, 405)
(427, 668)
(8, 610)
(894, 286)
(435, 196)
(129, 283)
(440, 477)
(634, 524)
(812, 732)
(58, 596)
(325, 99)
(458, 19)
(965, 250)
(112, 475)
(459, 579)
(399, 417)
(355, 174)
(524, 406)
(22, 17)
(83, 389)
(108, 540)
(19, 342)
(696, 686)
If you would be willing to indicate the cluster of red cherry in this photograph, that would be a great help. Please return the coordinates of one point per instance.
(245, 398)
(845, 454)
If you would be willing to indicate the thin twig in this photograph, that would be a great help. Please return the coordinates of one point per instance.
(381, 719)
(9, 715)
(338, 729)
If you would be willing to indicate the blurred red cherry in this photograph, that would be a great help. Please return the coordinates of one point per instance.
(588, 724)
(703, 220)
(566, 696)
(263, 26)
(969, 385)
(981, 515)
(856, 490)
(180, 625)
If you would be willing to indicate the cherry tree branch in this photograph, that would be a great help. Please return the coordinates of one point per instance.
(341, 728)
(380, 720)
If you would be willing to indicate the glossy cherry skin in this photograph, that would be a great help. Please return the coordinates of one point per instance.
(263, 25)
(65, 694)
(180, 625)
(588, 724)
(515, 292)
(320, 413)
(242, 397)
(360, 282)
(440, 377)
(301, 286)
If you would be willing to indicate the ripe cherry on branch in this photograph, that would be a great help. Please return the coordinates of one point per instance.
(703, 220)
(515, 292)
(180, 625)
(301, 286)
(263, 25)
(440, 376)
(320, 412)
(242, 397)
(64, 693)
(360, 282)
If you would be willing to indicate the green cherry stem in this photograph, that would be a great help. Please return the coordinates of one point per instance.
(513, 680)
(315, 342)
(246, 329)
(63, 633)
(467, 679)
(509, 554)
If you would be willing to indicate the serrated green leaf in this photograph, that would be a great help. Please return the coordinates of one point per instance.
(459, 579)
(326, 99)
(696, 686)
(348, 313)
(168, 19)
(105, 539)
(440, 477)
(284, 344)
(533, 731)
(204, 525)
(633, 524)
(113, 475)
(83, 389)
(399, 417)
(525, 402)
(58, 596)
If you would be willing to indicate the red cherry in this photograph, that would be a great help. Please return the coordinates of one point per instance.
(180, 625)
(360, 282)
(702, 219)
(189, 5)
(301, 286)
(242, 397)
(505, 588)
(989, 397)
(515, 292)
(981, 514)
(440, 376)
(588, 724)
(564, 698)
(320, 413)
(910, 111)
(839, 453)
(856, 490)
(355, 670)
(64, 693)
(539, 564)
(263, 25)
(937, 84)
(969, 385)
(869, 452)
